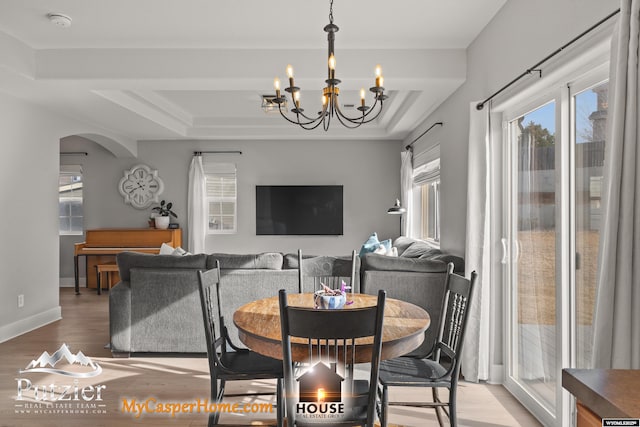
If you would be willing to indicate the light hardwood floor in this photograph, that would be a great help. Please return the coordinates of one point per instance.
(84, 327)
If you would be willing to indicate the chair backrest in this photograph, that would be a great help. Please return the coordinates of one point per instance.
(330, 337)
(454, 320)
(208, 287)
(328, 270)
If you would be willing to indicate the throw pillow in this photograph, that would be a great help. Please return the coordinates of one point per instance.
(179, 252)
(370, 245)
(166, 249)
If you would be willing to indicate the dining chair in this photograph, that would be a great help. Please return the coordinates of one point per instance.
(441, 367)
(330, 350)
(328, 270)
(236, 363)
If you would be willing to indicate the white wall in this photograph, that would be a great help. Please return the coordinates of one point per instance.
(29, 229)
(520, 35)
(29, 256)
(368, 170)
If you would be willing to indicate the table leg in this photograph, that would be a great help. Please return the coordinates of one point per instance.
(98, 274)
(76, 274)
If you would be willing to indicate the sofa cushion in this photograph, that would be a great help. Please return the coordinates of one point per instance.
(402, 243)
(128, 260)
(458, 262)
(420, 250)
(383, 262)
(263, 261)
(290, 261)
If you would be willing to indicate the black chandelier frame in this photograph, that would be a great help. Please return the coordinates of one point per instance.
(330, 108)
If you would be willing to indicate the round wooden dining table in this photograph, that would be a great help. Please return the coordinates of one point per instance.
(258, 324)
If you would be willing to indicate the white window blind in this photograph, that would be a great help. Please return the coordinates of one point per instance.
(221, 197)
(427, 173)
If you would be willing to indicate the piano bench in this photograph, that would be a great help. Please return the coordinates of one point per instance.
(108, 269)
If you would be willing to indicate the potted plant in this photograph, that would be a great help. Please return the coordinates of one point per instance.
(164, 214)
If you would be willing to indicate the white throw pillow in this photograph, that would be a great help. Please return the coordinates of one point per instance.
(179, 252)
(166, 249)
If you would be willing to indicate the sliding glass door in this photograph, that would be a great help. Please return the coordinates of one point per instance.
(553, 156)
(532, 229)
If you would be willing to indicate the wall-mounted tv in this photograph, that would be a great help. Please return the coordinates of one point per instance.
(299, 210)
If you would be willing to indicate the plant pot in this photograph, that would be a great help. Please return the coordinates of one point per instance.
(162, 222)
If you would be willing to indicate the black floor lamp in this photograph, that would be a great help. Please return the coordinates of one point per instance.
(397, 209)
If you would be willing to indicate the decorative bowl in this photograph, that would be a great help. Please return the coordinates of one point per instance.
(329, 302)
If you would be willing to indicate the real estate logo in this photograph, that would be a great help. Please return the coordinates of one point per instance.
(320, 393)
(63, 353)
(50, 397)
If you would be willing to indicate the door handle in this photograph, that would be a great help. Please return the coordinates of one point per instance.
(505, 251)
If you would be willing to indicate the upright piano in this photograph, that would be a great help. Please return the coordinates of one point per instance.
(102, 245)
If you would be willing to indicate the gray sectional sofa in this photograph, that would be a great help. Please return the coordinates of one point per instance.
(155, 308)
(417, 275)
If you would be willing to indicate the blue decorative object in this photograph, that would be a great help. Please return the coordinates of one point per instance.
(370, 245)
(329, 302)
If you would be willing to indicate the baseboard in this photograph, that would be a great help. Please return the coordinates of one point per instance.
(70, 282)
(496, 374)
(30, 323)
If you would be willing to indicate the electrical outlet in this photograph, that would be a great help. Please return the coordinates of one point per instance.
(20, 301)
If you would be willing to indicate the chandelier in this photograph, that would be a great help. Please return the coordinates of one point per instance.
(330, 93)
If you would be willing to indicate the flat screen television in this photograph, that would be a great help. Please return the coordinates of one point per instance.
(299, 210)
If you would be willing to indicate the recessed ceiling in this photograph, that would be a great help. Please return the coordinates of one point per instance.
(148, 70)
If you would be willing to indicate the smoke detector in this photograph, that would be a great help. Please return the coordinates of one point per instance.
(59, 19)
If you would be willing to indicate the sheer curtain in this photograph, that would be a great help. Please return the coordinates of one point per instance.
(406, 188)
(476, 352)
(617, 313)
(197, 206)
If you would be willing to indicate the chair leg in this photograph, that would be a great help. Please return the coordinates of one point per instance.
(453, 418)
(436, 399)
(280, 404)
(384, 413)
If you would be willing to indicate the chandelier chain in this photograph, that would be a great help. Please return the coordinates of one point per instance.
(331, 12)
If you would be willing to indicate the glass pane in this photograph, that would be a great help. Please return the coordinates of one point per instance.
(534, 272)
(228, 223)
(590, 112)
(214, 222)
(228, 208)
(214, 208)
(76, 207)
(64, 208)
(65, 224)
(76, 224)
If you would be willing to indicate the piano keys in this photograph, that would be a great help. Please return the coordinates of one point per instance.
(102, 245)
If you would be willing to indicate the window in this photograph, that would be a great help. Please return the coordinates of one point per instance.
(70, 212)
(430, 221)
(426, 180)
(222, 197)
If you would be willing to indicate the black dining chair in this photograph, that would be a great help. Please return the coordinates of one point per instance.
(330, 352)
(232, 364)
(441, 367)
(328, 270)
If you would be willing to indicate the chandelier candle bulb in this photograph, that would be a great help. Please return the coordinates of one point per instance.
(296, 97)
(332, 66)
(379, 78)
(362, 97)
(290, 74)
(276, 85)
